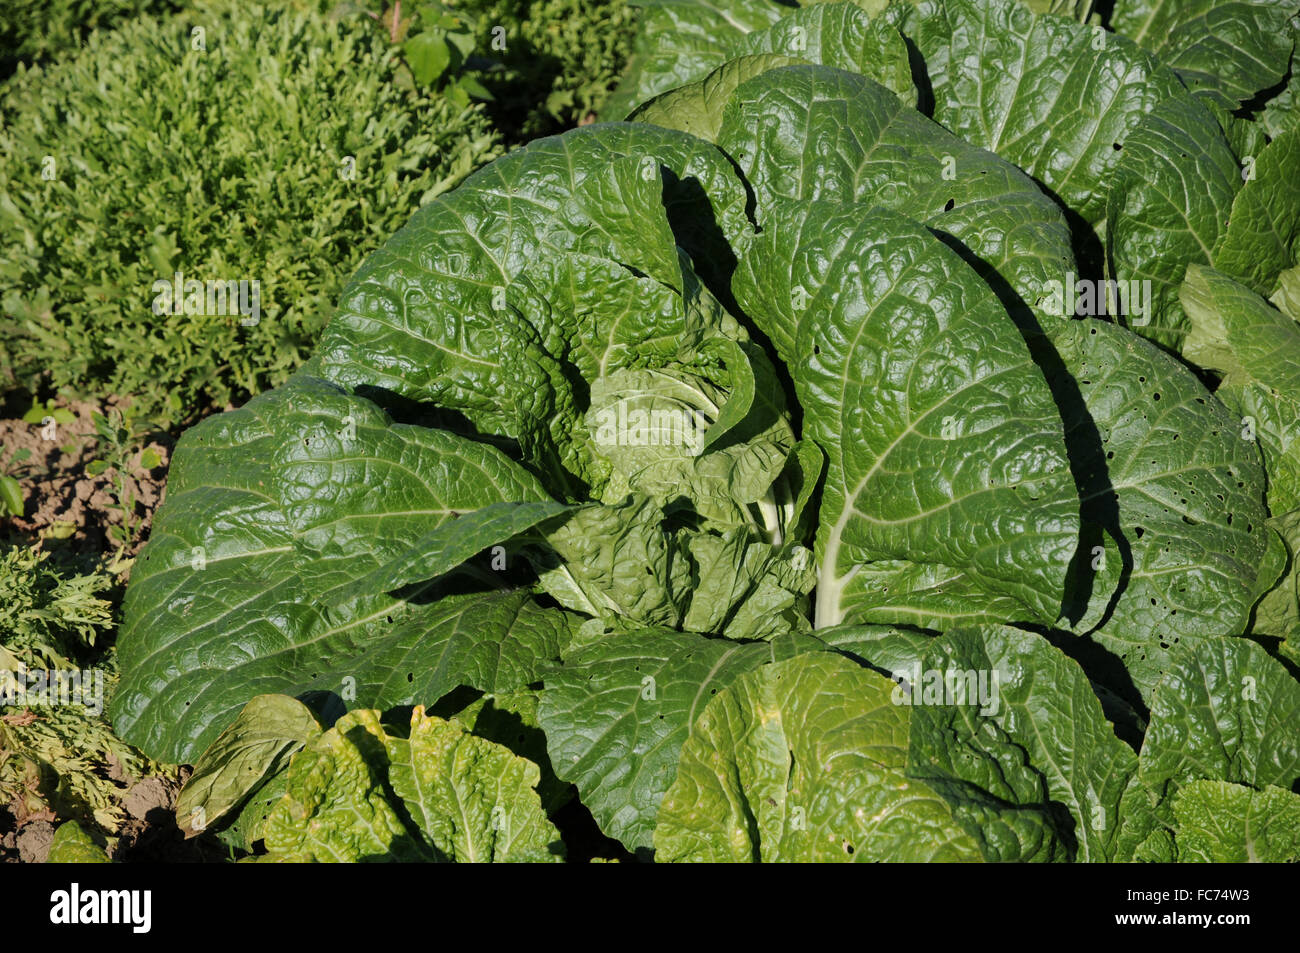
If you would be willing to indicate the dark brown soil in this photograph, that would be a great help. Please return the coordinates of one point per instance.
(34, 842)
(150, 833)
(65, 502)
(61, 497)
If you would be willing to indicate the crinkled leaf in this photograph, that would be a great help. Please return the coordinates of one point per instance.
(1168, 206)
(745, 588)
(336, 807)
(804, 760)
(1228, 51)
(962, 463)
(510, 719)
(1218, 822)
(495, 642)
(697, 107)
(842, 36)
(1172, 504)
(617, 561)
(1053, 96)
(617, 712)
(1257, 350)
(681, 41)
(627, 564)
(267, 732)
(362, 792)
(1263, 235)
(680, 438)
(889, 650)
(1225, 712)
(681, 44)
(1015, 697)
(812, 134)
(472, 800)
(272, 512)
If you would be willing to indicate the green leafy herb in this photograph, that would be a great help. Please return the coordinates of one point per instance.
(771, 464)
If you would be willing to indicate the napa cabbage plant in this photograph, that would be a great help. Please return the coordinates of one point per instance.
(752, 470)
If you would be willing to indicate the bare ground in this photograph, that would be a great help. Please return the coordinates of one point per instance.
(65, 501)
(60, 496)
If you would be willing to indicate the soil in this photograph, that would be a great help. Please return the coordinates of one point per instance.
(147, 833)
(60, 497)
(150, 832)
(34, 842)
(64, 502)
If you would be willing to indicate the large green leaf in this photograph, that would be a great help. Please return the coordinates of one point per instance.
(1257, 350)
(1173, 504)
(365, 792)
(616, 714)
(839, 35)
(1057, 98)
(1218, 822)
(842, 36)
(259, 743)
(1225, 712)
(335, 807)
(888, 649)
(1168, 207)
(804, 760)
(697, 107)
(272, 512)
(1228, 51)
(681, 41)
(1263, 236)
(510, 720)
(449, 544)
(473, 800)
(506, 318)
(1033, 703)
(811, 134)
(960, 463)
(495, 642)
